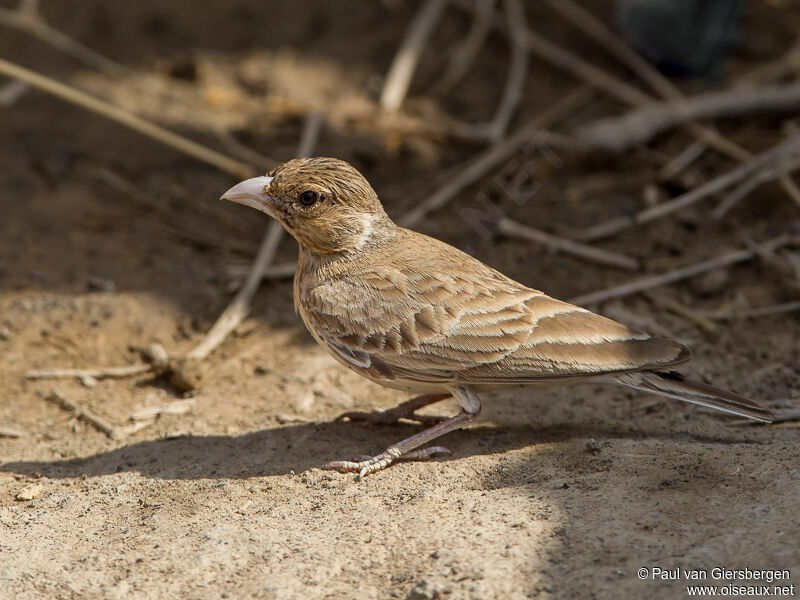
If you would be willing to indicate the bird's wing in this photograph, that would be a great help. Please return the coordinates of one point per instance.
(471, 325)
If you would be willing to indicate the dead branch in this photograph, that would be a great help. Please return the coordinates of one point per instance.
(567, 246)
(779, 154)
(178, 407)
(408, 54)
(462, 59)
(240, 305)
(765, 175)
(652, 281)
(80, 412)
(28, 18)
(763, 311)
(639, 126)
(129, 120)
(517, 72)
(96, 373)
(531, 133)
(681, 310)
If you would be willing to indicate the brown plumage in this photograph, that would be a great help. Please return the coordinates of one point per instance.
(410, 312)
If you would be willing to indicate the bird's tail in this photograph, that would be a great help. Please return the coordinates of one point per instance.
(674, 385)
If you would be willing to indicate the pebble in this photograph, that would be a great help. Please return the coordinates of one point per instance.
(30, 492)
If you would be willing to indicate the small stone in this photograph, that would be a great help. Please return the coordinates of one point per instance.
(30, 492)
(155, 354)
(99, 284)
(262, 370)
(88, 381)
(5, 334)
(593, 446)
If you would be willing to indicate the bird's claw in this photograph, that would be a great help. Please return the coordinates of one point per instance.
(366, 465)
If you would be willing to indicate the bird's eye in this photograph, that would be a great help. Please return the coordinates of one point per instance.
(309, 198)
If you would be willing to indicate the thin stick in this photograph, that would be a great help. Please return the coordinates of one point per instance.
(682, 311)
(10, 432)
(28, 18)
(83, 413)
(408, 54)
(646, 283)
(763, 311)
(783, 151)
(639, 126)
(239, 307)
(123, 117)
(477, 167)
(464, 57)
(517, 72)
(681, 162)
(560, 244)
(758, 179)
(97, 373)
(585, 21)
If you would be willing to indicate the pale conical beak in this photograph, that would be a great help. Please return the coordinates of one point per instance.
(253, 193)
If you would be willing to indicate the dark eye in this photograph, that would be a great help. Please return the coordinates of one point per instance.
(309, 198)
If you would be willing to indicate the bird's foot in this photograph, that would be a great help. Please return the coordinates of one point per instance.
(406, 410)
(366, 465)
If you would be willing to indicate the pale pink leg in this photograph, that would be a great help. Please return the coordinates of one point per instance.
(471, 408)
(406, 410)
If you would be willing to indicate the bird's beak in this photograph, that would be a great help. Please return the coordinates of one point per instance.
(253, 193)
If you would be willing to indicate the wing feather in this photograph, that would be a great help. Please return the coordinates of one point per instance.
(433, 323)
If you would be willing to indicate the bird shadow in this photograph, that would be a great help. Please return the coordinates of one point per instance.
(294, 448)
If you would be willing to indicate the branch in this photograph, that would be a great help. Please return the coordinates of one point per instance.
(517, 72)
(560, 244)
(646, 283)
(480, 164)
(129, 120)
(785, 151)
(405, 61)
(237, 310)
(639, 126)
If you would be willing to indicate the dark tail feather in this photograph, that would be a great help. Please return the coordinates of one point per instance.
(674, 385)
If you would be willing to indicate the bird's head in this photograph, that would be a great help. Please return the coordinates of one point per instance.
(325, 203)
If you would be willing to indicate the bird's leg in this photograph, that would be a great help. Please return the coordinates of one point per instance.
(408, 448)
(406, 410)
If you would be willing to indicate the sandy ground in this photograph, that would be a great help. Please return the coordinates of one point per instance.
(554, 493)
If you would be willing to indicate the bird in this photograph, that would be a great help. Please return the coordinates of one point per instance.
(410, 312)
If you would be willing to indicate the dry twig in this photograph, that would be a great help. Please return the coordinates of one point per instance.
(240, 305)
(28, 18)
(517, 72)
(779, 154)
(408, 54)
(639, 126)
(645, 283)
(762, 311)
(567, 246)
(80, 412)
(96, 373)
(123, 117)
(463, 58)
(531, 133)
